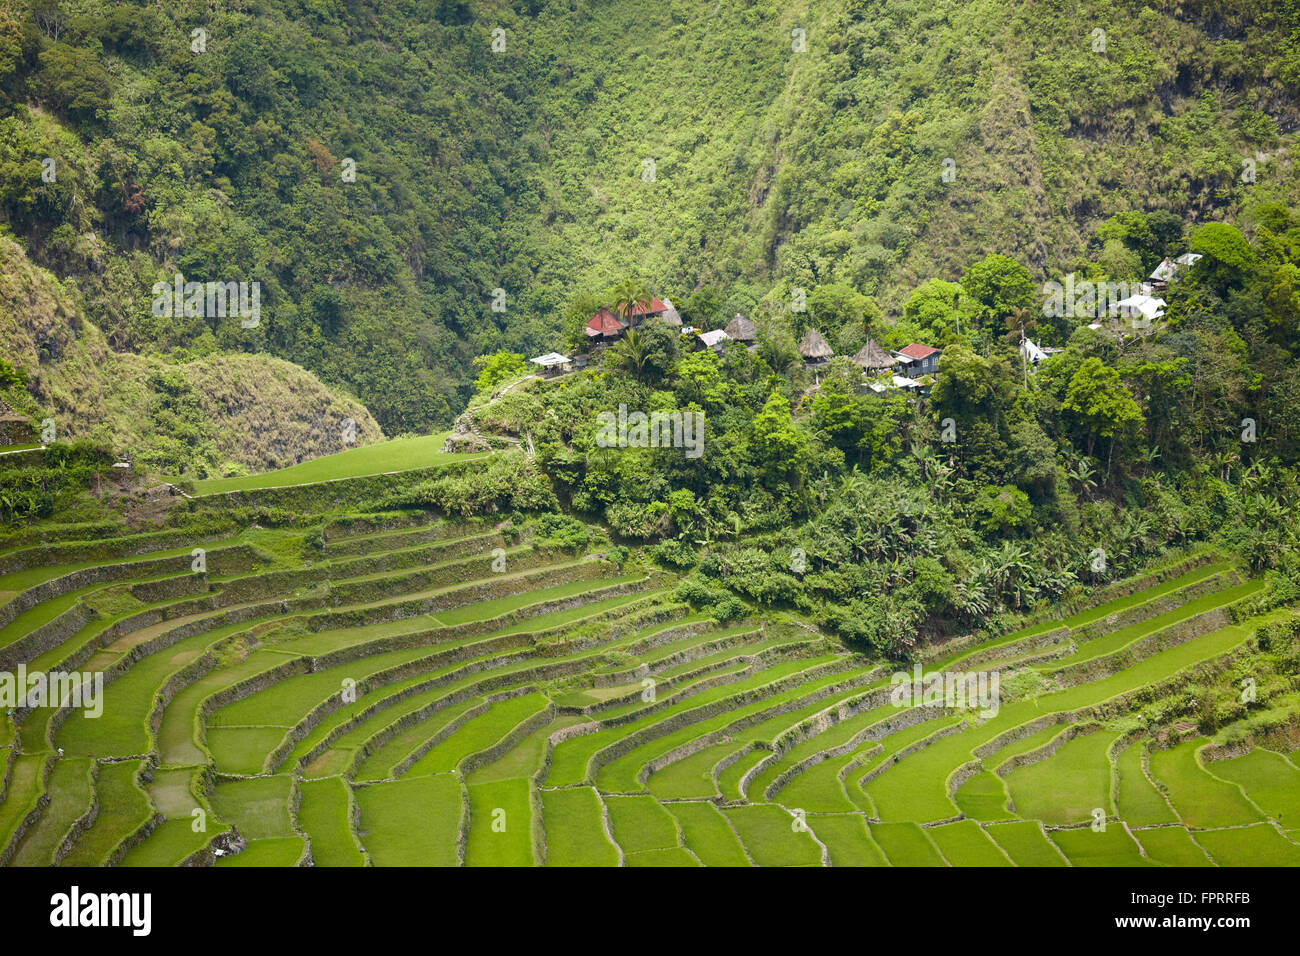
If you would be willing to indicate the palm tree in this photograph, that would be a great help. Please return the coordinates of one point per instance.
(1257, 476)
(925, 459)
(632, 354)
(859, 540)
(1225, 461)
(852, 482)
(1081, 471)
(627, 295)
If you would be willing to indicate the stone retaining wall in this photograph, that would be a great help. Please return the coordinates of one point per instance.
(1198, 626)
(76, 552)
(907, 717)
(780, 651)
(46, 637)
(316, 497)
(668, 636)
(42, 801)
(537, 673)
(1156, 606)
(1060, 635)
(346, 527)
(1016, 733)
(910, 749)
(337, 545)
(1066, 608)
(220, 561)
(1040, 753)
(708, 711)
(11, 756)
(83, 822)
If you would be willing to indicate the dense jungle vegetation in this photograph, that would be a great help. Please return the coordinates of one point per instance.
(899, 171)
(815, 492)
(793, 146)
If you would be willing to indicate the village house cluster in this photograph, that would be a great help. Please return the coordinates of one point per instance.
(910, 369)
(608, 325)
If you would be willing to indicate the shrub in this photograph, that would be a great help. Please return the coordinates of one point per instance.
(675, 553)
(561, 531)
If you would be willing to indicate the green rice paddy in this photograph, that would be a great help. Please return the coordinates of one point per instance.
(397, 703)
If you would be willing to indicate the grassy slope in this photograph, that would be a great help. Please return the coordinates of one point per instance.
(402, 454)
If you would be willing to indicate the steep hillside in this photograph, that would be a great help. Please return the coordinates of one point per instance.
(220, 414)
(727, 153)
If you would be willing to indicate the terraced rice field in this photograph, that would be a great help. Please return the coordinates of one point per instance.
(395, 697)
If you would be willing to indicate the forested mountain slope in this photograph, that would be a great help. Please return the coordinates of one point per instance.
(217, 413)
(726, 153)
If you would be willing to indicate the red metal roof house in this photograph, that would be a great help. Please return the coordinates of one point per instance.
(919, 359)
(608, 324)
(605, 326)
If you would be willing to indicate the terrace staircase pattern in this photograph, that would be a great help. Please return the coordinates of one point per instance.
(399, 696)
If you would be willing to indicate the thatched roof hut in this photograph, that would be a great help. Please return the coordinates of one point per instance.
(741, 329)
(873, 358)
(815, 349)
(670, 314)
